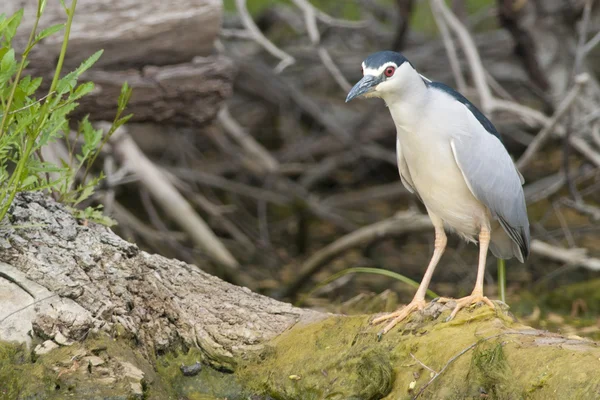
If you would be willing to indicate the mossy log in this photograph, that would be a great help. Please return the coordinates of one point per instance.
(106, 320)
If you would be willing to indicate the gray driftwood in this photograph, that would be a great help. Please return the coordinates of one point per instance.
(162, 49)
(65, 284)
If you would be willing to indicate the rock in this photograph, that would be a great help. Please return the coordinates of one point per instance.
(136, 388)
(45, 347)
(62, 340)
(191, 370)
(94, 361)
(132, 371)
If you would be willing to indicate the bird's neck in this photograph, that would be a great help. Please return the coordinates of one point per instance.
(407, 105)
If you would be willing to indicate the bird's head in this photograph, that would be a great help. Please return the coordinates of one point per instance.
(385, 74)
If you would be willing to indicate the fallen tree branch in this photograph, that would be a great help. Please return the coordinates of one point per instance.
(574, 256)
(544, 134)
(125, 321)
(171, 201)
(398, 225)
(285, 59)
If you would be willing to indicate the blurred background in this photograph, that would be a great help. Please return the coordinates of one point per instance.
(243, 158)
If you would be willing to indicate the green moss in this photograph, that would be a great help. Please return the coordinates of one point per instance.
(66, 372)
(492, 372)
(207, 384)
(341, 358)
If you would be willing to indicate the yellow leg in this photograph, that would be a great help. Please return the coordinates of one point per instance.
(418, 302)
(477, 295)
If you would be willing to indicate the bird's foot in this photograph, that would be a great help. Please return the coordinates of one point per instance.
(463, 302)
(399, 315)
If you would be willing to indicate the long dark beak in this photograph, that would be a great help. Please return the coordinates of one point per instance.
(365, 85)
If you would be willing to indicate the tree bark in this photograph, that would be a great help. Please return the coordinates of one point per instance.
(69, 284)
(162, 49)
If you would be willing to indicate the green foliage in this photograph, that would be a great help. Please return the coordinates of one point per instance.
(31, 120)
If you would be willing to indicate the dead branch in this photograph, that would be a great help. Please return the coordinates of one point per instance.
(400, 224)
(171, 200)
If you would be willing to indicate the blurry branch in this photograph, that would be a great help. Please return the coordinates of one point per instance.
(569, 256)
(488, 102)
(525, 47)
(251, 146)
(584, 148)
(586, 209)
(214, 211)
(286, 59)
(328, 19)
(450, 49)
(310, 19)
(405, 9)
(125, 217)
(400, 224)
(544, 134)
(171, 201)
(216, 181)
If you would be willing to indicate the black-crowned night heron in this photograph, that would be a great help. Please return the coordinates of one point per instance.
(450, 156)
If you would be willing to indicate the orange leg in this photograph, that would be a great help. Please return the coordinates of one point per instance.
(477, 294)
(418, 302)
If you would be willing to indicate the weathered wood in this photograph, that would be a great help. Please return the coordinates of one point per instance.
(68, 285)
(133, 33)
(109, 281)
(188, 94)
(162, 49)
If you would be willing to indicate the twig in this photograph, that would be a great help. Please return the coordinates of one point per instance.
(422, 364)
(576, 256)
(487, 100)
(584, 148)
(251, 146)
(470, 50)
(591, 211)
(286, 59)
(544, 134)
(310, 20)
(450, 49)
(125, 217)
(171, 200)
(458, 355)
(397, 225)
(214, 211)
(227, 185)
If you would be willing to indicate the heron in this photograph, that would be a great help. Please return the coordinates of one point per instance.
(452, 158)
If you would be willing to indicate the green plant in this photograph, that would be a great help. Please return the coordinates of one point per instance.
(366, 270)
(31, 121)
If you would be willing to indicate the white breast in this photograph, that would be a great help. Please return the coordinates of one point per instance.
(425, 145)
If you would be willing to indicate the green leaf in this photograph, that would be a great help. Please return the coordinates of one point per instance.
(124, 96)
(29, 181)
(85, 193)
(51, 30)
(69, 81)
(89, 62)
(122, 121)
(8, 66)
(11, 27)
(41, 7)
(82, 90)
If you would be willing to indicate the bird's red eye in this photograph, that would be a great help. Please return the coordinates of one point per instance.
(389, 71)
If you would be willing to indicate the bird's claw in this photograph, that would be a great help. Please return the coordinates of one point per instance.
(398, 315)
(465, 302)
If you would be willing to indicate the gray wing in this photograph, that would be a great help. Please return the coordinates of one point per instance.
(494, 180)
(404, 172)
